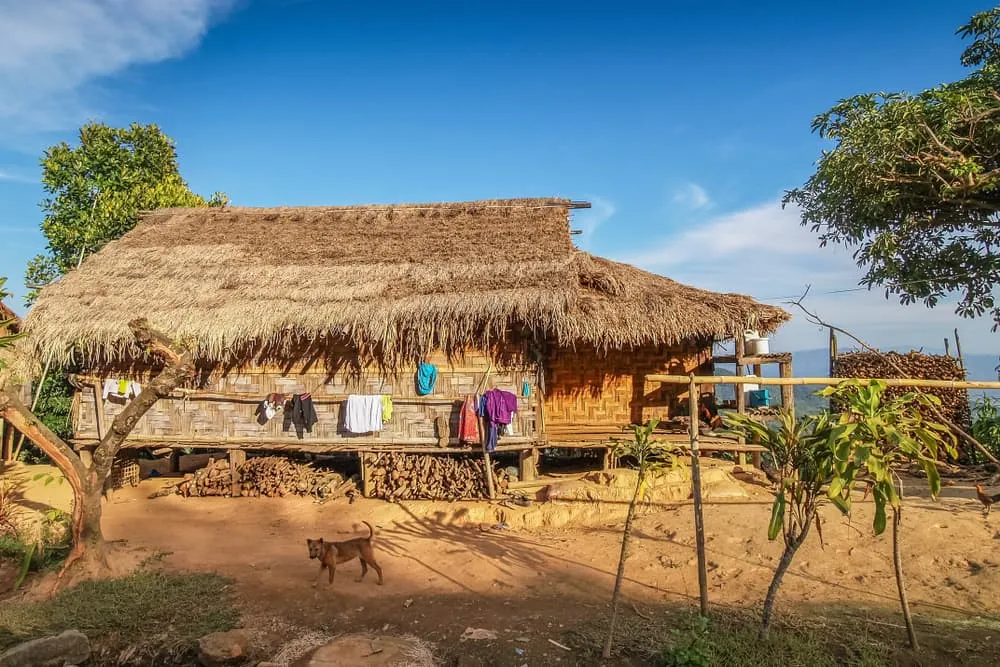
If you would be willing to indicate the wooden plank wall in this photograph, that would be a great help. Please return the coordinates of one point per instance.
(412, 424)
(585, 386)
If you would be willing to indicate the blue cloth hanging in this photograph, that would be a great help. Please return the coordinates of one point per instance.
(525, 389)
(426, 377)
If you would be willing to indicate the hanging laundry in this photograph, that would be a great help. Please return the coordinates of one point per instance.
(125, 389)
(468, 421)
(363, 413)
(386, 407)
(269, 407)
(302, 415)
(497, 406)
(526, 389)
(426, 378)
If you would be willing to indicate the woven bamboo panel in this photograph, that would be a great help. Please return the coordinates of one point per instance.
(585, 386)
(224, 420)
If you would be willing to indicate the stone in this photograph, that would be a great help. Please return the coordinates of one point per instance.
(68, 648)
(368, 651)
(223, 648)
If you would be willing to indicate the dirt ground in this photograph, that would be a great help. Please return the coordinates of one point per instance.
(448, 567)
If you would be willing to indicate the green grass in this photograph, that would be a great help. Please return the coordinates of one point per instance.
(683, 640)
(146, 618)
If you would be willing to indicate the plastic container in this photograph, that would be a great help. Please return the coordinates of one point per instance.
(754, 344)
(749, 386)
(759, 398)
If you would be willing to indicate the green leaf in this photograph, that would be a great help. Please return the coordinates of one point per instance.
(777, 517)
(836, 487)
(933, 476)
(879, 523)
(22, 572)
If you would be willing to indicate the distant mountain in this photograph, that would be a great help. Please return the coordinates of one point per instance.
(816, 363)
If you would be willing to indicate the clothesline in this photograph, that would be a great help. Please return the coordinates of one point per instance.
(195, 394)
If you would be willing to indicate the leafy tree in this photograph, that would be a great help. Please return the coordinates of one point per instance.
(649, 457)
(876, 435)
(803, 457)
(96, 190)
(913, 183)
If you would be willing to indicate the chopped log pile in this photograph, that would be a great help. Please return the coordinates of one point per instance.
(268, 476)
(395, 476)
(954, 402)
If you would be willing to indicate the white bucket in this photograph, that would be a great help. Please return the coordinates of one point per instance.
(754, 345)
(750, 387)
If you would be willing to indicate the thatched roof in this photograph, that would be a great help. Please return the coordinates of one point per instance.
(391, 281)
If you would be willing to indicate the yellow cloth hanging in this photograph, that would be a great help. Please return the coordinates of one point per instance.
(386, 407)
(122, 387)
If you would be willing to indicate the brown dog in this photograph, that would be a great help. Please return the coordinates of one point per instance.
(332, 553)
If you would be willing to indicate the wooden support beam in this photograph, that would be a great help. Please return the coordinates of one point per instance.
(528, 465)
(237, 457)
(363, 463)
(787, 391)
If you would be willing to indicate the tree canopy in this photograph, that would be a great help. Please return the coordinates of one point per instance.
(913, 183)
(96, 190)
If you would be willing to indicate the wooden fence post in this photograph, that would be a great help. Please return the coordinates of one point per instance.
(699, 522)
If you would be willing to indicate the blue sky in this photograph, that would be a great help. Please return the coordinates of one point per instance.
(682, 125)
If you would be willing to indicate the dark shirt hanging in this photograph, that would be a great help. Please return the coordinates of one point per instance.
(302, 415)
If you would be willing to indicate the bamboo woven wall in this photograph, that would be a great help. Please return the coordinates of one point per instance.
(412, 423)
(584, 386)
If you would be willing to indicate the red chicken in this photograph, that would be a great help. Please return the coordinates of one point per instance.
(986, 499)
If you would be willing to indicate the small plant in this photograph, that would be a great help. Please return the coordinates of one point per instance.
(649, 456)
(877, 435)
(802, 456)
(690, 646)
(985, 427)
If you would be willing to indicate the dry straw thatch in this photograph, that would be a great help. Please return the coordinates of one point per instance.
(391, 282)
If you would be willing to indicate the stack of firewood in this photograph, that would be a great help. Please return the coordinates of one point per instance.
(265, 476)
(954, 402)
(431, 477)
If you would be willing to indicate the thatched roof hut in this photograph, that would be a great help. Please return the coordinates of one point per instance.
(331, 302)
(394, 282)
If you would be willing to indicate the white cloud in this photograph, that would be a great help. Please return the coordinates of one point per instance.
(12, 176)
(52, 51)
(764, 252)
(692, 196)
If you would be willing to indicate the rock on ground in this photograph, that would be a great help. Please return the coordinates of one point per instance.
(369, 651)
(68, 648)
(223, 648)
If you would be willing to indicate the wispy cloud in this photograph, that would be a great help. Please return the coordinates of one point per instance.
(692, 196)
(54, 51)
(764, 251)
(13, 176)
(589, 220)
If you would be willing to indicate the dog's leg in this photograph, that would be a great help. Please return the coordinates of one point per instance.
(378, 570)
(364, 570)
(320, 575)
(333, 571)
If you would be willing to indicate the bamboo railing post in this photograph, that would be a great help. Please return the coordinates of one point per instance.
(958, 350)
(699, 522)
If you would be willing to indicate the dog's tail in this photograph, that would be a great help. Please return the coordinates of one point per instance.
(371, 531)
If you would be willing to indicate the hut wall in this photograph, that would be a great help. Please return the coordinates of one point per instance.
(229, 422)
(588, 387)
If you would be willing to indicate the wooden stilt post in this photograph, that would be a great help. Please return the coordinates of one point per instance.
(528, 464)
(699, 522)
(363, 463)
(491, 489)
(958, 350)
(237, 457)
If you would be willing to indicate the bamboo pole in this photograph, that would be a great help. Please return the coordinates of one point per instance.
(958, 350)
(891, 382)
(699, 521)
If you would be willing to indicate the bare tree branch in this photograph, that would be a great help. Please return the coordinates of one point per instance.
(814, 318)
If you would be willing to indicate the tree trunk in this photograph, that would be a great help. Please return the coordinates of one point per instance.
(791, 547)
(897, 562)
(626, 538)
(87, 482)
